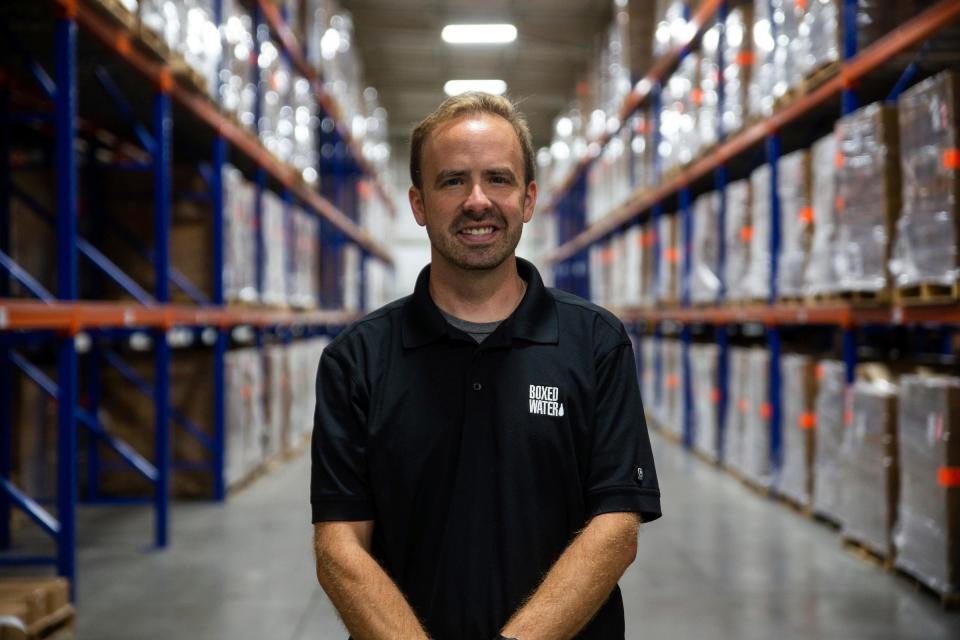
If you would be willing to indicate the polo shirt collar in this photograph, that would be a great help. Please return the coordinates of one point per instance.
(535, 318)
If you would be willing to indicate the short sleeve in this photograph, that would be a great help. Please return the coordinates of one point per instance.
(339, 482)
(622, 476)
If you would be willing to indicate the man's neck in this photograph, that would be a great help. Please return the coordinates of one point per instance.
(477, 296)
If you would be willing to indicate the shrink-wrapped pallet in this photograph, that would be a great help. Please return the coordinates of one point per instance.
(303, 358)
(642, 149)
(601, 257)
(757, 438)
(737, 58)
(737, 235)
(618, 274)
(277, 398)
(679, 138)
(796, 222)
(671, 25)
(648, 379)
(671, 409)
(733, 445)
(245, 422)
(275, 251)
(648, 294)
(928, 525)
(869, 469)
(928, 228)
(238, 93)
(868, 200)
(240, 238)
(704, 250)
(820, 274)
(760, 95)
(668, 284)
(798, 394)
(706, 423)
(756, 283)
(608, 179)
(830, 417)
(305, 259)
(632, 247)
(351, 277)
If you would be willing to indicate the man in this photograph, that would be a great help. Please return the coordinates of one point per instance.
(481, 462)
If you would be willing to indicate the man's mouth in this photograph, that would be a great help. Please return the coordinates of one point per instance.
(478, 231)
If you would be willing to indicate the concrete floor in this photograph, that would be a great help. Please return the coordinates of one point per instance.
(722, 563)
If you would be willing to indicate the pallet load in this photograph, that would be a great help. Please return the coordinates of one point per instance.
(926, 258)
(600, 256)
(304, 262)
(737, 57)
(275, 250)
(868, 202)
(704, 250)
(642, 149)
(756, 285)
(830, 418)
(819, 276)
(869, 469)
(35, 608)
(704, 360)
(608, 179)
(277, 398)
(671, 409)
(240, 238)
(737, 233)
(648, 379)
(668, 282)
(245, 420)
(671, 25)
(618, 244)
(679, 139)
(796, 222)
(734, 443)
(303, 358)
(928, 526)
(648, 294)
(632, 265)
(238, 93)
(798, 442)
(757, 466)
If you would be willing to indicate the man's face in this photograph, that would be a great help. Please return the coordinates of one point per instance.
(473, 201)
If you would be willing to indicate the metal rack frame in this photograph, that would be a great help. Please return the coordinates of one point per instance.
(58, 320)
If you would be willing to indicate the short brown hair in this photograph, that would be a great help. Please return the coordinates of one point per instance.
(468, 103)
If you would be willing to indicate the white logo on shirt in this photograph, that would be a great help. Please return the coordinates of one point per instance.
(545, 401)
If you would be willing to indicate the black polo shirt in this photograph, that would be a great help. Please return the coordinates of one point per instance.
(479, 463)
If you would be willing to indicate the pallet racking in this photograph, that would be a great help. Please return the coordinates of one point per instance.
(142, 85)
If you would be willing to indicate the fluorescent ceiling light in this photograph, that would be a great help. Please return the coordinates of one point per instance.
(479, 33)
(456, 87)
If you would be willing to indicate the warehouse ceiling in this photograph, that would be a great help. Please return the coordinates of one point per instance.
(407, 62)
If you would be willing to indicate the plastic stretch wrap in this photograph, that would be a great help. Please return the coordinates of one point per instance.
(200, 42)
(647, 292)
(796, 221)
(671, 25)
(820, 274)
(679, 138)
(351, 277)
(830, 405)
(240, 238)
(928, 228)
(275, 250)
(821, 44)
(738, 233)
(868, 196)
(162, 17)
(648, 379)
(672, 406)
(760, 96)
(641, 123)
(703, 367)
(738, 63)
(632, 266)
(238, 93)
(798, 394)
(869, 468)
(707, 88)
(757, 281)
(757, 464)
(305, 260)
(787, 16)
(929, 517)
(608, 179)
(380, 287)
(704, 278)
(277, 401)
(668, 286)
(245, 423)
(734, 444)
(601, 256)
(303, 357)
(618, 245)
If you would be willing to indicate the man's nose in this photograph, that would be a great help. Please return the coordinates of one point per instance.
(477, 200)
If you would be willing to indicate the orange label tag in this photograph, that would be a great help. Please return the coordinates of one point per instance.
(715, 396)
(650, 238)
(848, 417)
(948, 477)
(606, 257)
(800, 4)
(673, 381)
(766, 411)
(672, 255)
(742, 405)
(807, 421)
(696, 96)
(951, 159)
(746, 234)
(839, 203)
(744, 58)
(806, 215)
(838, 159)
(820, 372)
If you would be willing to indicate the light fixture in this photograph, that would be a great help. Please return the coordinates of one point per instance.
(479, 33)
(456, 87)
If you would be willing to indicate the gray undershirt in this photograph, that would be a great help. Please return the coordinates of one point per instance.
(476, 330)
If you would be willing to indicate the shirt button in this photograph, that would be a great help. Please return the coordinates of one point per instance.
(477, 386)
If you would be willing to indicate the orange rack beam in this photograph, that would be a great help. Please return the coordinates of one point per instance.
(72, 317)
(910, 33)
(294, 49)
(118, 37)
(839, 314)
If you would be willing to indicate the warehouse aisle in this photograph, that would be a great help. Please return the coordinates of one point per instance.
(722, 563)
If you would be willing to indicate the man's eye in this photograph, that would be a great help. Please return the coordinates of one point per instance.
(500, 179)
(450, 182)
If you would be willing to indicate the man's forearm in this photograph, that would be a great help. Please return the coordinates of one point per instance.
(580, 580)
(370, 604)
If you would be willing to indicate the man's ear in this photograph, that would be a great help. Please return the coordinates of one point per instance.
(416, 204)
(529, 201)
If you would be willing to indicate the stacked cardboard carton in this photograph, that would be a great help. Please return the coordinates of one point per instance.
(830, 417)
(798, 428)
(819, 275)
(734, 443)
(738, 234)
(796, 221)
(757, 437)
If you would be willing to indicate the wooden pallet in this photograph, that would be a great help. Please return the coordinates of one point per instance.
(865, 553)
(804, 510)
(819, 76)
(153, 43)
(928, 293)
(793, 301)
(824, 519)
(115, 10)
(188, 75)
(860, 298)
(40, 605)
(948, 599)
